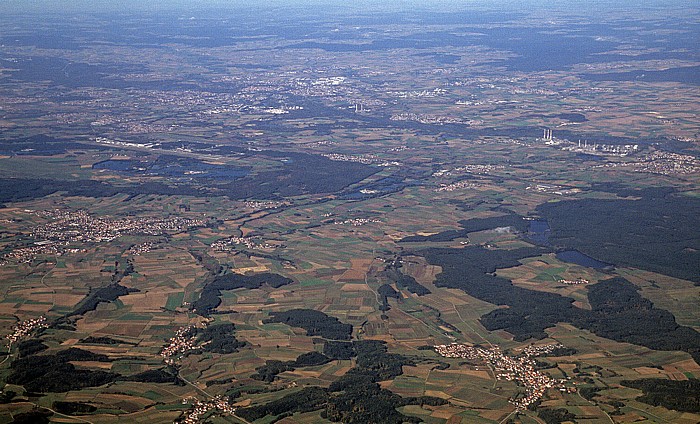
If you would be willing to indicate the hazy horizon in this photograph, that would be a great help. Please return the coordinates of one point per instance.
(67, 6)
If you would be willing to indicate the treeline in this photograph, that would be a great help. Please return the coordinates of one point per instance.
(386, 292)
(156, 376)
(316, 323)
(339, 350)
(561, 351)
(219, 339)
(443, 236)
(620, 313)
(658, 232)
(35, 416)
(119, 275)
(102, 340)
(302, 173)
(555, 416)
(210, 297)
(55, 373)
(681, 396)
(106, 294)
(355, 398)
(22, 189)
(30, 347)
(269, 371)
(618, 310)
(73, 408)
(393, 272)
(471, 226)
(41, 145)
(472, 269)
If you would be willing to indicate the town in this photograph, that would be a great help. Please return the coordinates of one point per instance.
(81, 227)
(70, 227)
(661, 163)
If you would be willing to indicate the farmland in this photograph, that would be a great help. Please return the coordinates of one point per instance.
(350, 217)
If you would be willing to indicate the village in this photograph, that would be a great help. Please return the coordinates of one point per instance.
(456, 186)
(471, 168)
(201, 408)
(227, 244)
(364, 159)
(24, 328)
(519, 369)
(182, 342)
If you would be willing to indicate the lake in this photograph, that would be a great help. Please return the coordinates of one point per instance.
(538, 232)
(578, 258)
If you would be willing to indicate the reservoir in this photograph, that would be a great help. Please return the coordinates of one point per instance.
(174, 168)
(116, 164)
(538, 232)
(578, 258)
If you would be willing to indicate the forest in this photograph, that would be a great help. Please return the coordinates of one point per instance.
(218, 338)
(555, 416)
(355, 398)
(472, 270)
(385, 291)
(209, 298)
(22, 189)
(472, 225)
(301, 174)
(269, 371)
(30, 347)
(72, 408)
(106, 294)
(56, 373)
(618, 312)
(316, 323)
(156, 376)
(393, 272)
(671, 394)
(659, 231)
